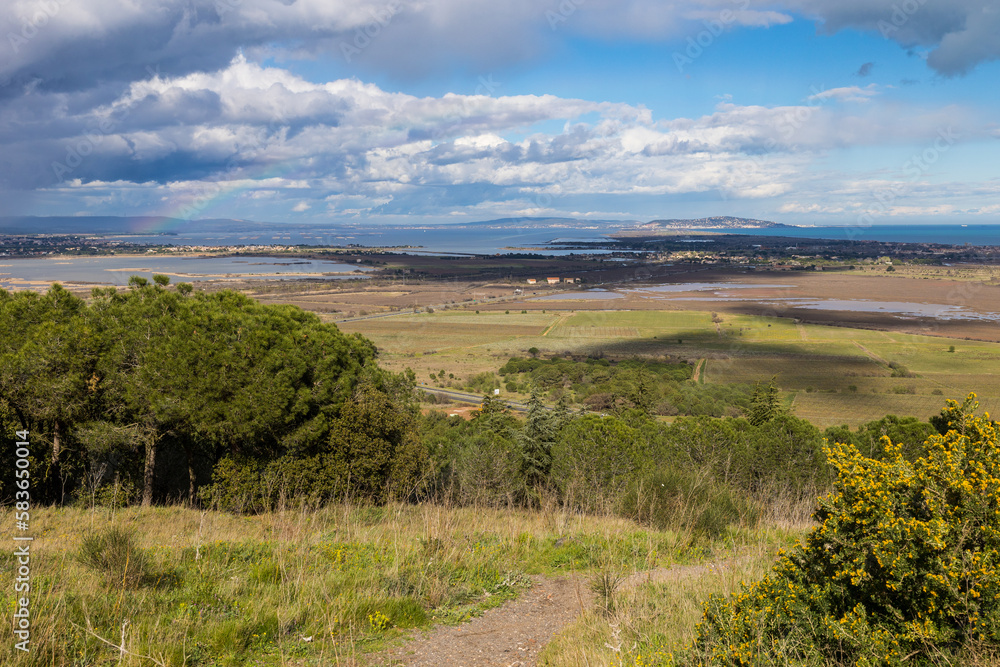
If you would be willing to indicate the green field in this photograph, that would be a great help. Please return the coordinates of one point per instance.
(831, 375)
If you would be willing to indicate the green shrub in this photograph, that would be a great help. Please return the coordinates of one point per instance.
(900, 371)
(677, 499)
(594, 460)
(237, 486)
(114, 554)
(902, 570)
(118, 494)
(482, 383)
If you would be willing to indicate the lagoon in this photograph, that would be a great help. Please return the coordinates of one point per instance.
(116, 269)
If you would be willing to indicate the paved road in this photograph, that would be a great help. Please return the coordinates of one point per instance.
(466, 397)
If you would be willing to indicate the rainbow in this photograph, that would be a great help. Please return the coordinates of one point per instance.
(213, 196)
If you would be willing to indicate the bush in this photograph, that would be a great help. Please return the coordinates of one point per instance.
(114, 554)
(118, 494)
(902, 570)
(373, 455)
(900, 371)
(482, 383)
(677, 499)
(594, 460)
(237, 486)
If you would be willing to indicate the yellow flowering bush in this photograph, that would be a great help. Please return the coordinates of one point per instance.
(904, 568)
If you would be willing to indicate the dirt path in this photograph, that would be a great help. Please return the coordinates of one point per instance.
(698, 369)
(871, 355)
(513, 634)
(508, 636)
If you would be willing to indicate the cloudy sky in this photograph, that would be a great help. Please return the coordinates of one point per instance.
(397, 111)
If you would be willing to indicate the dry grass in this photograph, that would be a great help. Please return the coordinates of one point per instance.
(230, 590)
(654, 613)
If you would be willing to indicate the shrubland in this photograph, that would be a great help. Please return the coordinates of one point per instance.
(656, 387)
(899, 568)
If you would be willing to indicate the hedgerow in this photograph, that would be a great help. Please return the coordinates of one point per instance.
(903, 569)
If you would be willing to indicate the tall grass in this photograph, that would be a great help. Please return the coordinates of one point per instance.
(316, 586)
(654, 613)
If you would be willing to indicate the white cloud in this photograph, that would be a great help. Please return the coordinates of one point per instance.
(250, 133)
(96, 45)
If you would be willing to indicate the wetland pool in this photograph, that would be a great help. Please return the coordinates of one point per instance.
(116, 269)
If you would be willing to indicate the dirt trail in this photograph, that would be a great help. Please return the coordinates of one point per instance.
(871, 355)
(698, 370)
(513, 634)
(508, 636)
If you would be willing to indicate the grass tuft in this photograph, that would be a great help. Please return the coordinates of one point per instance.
(114, 554)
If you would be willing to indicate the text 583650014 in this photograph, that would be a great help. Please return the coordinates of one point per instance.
(22, 552)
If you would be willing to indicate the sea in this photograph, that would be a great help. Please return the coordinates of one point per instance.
(977, 235)
(489, 240)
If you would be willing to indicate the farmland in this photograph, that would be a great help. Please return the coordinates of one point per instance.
(829, 374)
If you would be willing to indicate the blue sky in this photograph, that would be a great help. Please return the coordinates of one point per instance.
(388, 111)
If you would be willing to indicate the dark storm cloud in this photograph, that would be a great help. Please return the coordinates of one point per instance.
(959, 34)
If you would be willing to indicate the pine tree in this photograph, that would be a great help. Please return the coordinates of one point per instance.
(536, 439)
(764, 405)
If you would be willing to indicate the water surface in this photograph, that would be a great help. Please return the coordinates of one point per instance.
(116, 269)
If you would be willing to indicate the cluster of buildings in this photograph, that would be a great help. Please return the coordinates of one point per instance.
(554, 281)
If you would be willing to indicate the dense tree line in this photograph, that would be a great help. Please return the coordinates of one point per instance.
(152, 386)
(702, 472)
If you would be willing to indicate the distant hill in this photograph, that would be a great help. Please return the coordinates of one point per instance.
(714, 222)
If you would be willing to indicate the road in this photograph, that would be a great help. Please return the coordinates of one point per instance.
(466, 397)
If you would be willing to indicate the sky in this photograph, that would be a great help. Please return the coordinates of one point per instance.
(810, 112)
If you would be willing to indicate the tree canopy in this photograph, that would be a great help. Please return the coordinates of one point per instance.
(113, 381)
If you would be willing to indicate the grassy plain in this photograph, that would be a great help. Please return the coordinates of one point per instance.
(831, 374)
(315, 587)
